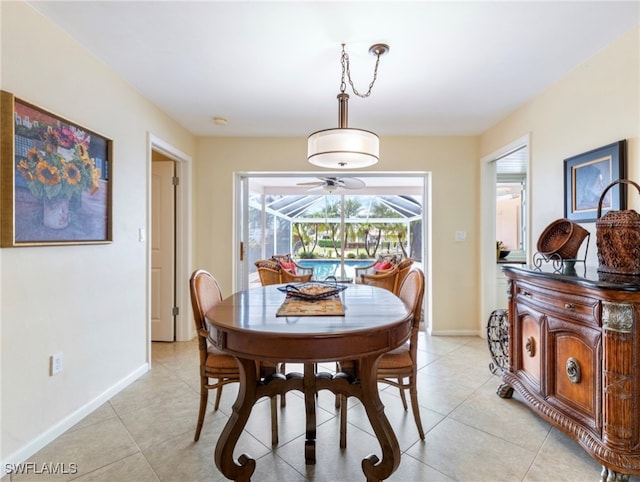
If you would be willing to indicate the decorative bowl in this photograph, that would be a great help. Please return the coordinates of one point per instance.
(313, 291)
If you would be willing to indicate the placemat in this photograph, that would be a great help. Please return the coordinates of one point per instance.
(325, 307)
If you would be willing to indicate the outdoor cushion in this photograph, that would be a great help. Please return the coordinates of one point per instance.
(382, 266)
(291, 267)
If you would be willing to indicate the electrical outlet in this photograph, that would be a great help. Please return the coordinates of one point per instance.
(56, 363)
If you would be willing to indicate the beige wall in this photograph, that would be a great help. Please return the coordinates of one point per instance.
(597, 104)
(89, 302)
(451, 161)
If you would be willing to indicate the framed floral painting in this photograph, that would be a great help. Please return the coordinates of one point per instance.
(55, 178)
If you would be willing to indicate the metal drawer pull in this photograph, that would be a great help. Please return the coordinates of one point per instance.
(573, 370)
(569, 306)
(530, 346)
(526, 293)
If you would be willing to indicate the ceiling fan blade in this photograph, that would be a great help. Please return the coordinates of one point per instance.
(313, 183)
(351, 183)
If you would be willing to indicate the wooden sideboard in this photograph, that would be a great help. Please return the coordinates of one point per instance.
(574, 357)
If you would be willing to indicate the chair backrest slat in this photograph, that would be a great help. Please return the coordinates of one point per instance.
(205, 294)
(412, 293)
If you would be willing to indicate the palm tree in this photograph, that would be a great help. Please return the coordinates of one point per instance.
(382, 211)
(332, 211)
(401, 234)
(307, 235)
(351, 208)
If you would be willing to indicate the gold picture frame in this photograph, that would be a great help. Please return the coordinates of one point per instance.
(55, 179)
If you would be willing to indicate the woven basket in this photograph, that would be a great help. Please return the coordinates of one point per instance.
(618, 237)
(563, 238)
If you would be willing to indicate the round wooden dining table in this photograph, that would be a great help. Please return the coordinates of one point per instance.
(245, 325)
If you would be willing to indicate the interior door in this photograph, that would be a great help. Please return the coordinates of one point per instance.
(162, 250)
(242, 235)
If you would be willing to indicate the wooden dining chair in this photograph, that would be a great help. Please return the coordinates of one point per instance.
(400, 364)
(404, 267)
(215, 364)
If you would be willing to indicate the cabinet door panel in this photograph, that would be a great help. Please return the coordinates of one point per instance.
(529, 347)
(575, 379)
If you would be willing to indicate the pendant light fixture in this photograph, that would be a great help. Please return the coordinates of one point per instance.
(346, 147)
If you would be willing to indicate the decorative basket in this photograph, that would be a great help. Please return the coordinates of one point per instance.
(562, 238)
(618, 237)
(312, 291)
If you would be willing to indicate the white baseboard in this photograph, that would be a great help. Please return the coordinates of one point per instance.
(48, 436)
(455, 333)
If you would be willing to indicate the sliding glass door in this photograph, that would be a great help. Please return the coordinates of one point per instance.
(334, 229)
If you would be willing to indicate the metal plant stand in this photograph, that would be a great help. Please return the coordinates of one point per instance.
(498, 339)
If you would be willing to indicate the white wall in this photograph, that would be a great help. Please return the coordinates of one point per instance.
(89, 302)
(596, 104)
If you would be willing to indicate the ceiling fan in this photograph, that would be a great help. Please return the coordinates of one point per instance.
(331, 184)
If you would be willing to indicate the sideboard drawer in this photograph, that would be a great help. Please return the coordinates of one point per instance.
(575, 307)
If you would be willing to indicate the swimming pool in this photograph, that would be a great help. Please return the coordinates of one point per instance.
(331, 267)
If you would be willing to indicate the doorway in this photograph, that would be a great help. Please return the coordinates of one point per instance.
(184, 328)
(505, 173)
(308, 216)
(163, 248)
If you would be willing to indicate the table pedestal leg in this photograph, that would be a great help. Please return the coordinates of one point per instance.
(375, 411)
(235, 425)
(366, 389)
(310, 409)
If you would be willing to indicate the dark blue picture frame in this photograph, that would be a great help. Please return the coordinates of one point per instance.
(587, 175)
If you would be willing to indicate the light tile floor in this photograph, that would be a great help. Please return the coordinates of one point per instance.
(145, 433)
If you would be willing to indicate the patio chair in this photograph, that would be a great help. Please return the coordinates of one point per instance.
(382, 279)
(269, 272)
(287, 263)
(272, 272)
(383, 263)
(287, 277)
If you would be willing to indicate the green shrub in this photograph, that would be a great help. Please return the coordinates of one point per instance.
(306, 255)
(328, 243)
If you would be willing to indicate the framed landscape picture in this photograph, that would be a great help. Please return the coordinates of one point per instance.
(587, 175)
(55, 177)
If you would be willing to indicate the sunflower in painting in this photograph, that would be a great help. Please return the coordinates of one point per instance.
(51, 175)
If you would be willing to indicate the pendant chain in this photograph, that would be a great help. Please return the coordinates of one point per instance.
(346, 70)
